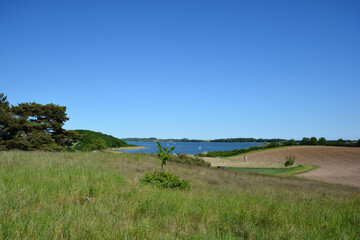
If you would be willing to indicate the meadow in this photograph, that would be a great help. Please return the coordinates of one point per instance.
(99, 196)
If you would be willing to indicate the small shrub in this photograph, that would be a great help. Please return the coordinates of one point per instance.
(164, 154)
(290, 160)
(165, 180)
(189, 160)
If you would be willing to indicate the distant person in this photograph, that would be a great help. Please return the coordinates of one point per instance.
(245, 158)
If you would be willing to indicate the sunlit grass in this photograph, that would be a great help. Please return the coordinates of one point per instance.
(284, 171)
(99, 196)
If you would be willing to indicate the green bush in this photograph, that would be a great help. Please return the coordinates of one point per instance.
(290, 160)
(165, 180)
(189, 160)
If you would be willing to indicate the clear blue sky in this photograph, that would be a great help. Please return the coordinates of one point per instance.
(194, 69)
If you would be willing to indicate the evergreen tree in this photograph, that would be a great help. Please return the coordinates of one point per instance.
(5, 119)
(31, 126)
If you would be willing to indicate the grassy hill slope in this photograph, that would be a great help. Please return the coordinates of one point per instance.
(99, 196)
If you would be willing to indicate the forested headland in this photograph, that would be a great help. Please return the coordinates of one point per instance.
(91, 140)
(33, 126)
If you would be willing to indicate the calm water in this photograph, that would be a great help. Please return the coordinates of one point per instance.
(191, 147)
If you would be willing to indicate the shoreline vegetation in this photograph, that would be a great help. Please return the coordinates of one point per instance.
(118, 149)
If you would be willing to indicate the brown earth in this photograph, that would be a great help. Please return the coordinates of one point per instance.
(336, 164)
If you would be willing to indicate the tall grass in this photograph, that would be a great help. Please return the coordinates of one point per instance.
(99, 196)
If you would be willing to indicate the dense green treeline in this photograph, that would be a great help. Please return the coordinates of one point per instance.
(91, 140)
(238, 151)
(248, 140)
(323, 141)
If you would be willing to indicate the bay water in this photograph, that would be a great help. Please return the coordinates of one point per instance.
(191, 147)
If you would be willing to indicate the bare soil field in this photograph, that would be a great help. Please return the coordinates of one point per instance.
(336, 164)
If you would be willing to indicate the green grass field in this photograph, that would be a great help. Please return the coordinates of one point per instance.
(99, 196)
(285, 171)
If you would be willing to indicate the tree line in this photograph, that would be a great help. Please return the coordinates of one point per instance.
(292, 142)
(324, 142)
(33, 126)
(248, 140)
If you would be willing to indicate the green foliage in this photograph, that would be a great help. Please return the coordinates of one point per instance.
(313, 141)
(289, 160)
(291, 142)
(33, 126)
(189, 160)
(272, 145)
(92, 144)
(322, 141)
(91, 141)
(236, 151)
(165, 180)
(305, 141)
(5, 118)
(164, 154)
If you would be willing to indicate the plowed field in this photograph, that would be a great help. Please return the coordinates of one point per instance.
(336, 164)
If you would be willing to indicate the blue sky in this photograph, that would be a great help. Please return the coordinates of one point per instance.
(194, 69)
